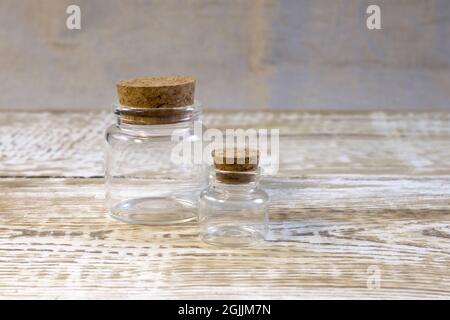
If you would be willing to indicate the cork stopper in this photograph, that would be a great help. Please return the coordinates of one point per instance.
(156, 100)
(236, 165)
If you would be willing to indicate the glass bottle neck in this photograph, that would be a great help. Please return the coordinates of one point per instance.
(156, 121)
(159, 115)
(154, 129)
(234, 182)
(234, 188)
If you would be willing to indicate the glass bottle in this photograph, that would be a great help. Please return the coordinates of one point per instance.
(143, 183)
(233, 210)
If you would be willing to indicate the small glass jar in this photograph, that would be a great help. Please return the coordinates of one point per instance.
(143, 183)
(233, 210)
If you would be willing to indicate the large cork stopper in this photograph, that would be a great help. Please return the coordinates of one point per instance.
(165, 93)
(236, 165)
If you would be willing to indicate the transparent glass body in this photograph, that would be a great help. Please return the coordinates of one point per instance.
(233, 214)
(143, 184)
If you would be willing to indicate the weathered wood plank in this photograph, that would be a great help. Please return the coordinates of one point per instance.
(71, 144)
(356, 192)
(56, 242)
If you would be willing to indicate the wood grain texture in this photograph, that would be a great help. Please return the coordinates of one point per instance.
(71, 144)
(263, 53)
(357, 192)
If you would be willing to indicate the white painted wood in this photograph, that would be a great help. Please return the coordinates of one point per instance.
(71, 144)
(358, 191)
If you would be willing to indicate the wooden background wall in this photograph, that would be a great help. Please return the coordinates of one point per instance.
(245, 54)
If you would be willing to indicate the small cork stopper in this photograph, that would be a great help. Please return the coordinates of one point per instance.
(153, 93)
(234, 163)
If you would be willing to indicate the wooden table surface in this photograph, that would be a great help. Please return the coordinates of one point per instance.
(360, 209)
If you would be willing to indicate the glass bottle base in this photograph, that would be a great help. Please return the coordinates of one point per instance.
(232, 236)
(153, 211)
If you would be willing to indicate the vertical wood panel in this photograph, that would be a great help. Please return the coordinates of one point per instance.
(245, 54)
